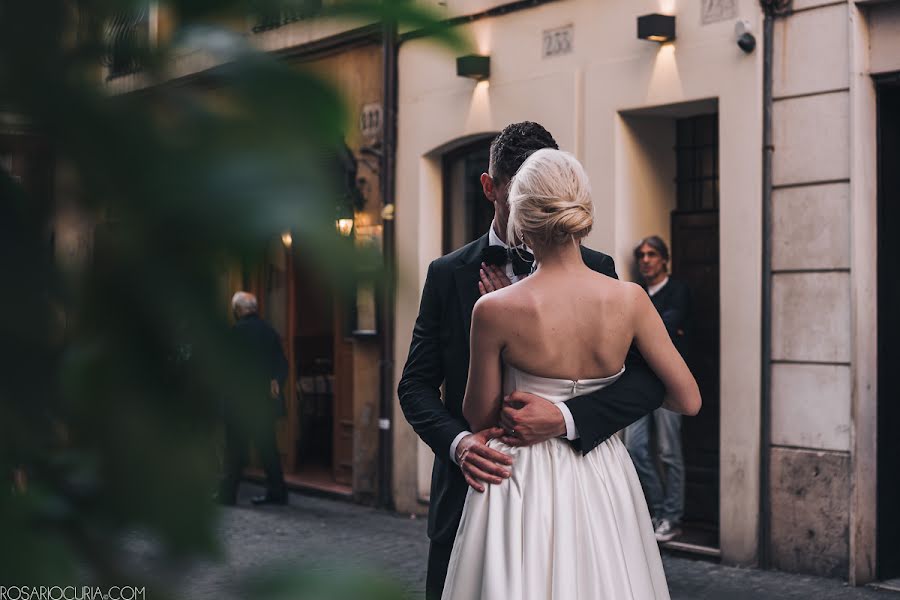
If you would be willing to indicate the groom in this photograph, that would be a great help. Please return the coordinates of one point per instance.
(439, 354)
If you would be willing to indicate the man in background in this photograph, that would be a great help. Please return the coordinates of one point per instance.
(253, 417)
(664, 495)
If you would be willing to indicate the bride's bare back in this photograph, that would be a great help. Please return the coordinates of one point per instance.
(572, 324)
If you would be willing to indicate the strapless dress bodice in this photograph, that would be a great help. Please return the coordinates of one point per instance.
(549, 388)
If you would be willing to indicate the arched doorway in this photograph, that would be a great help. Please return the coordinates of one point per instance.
(467, 214)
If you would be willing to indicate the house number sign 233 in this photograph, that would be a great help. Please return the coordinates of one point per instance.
(558, 41)
(370, 119)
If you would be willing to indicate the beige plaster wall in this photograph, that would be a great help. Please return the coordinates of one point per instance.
(645, 190)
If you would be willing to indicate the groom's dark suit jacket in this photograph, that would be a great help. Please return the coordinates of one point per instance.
(439, 353)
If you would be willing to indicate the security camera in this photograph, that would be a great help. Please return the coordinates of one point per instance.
(743, 36)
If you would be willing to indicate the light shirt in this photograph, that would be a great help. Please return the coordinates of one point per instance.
(652, 289)
(571, 431)
(494, 240)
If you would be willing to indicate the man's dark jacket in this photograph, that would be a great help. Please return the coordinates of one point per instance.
(673, 302)
(439, 353)
(261, 350)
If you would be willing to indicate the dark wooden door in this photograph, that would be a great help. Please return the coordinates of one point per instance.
(888, 534)
(467, 212)
(695, 261)
(342, 436)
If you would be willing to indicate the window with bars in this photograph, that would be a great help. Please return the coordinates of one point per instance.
(127, 34)
(697, 157)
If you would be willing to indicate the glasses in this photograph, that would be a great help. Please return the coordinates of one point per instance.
(651, 254)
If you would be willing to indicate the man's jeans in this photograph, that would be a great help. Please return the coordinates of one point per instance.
(666, 501)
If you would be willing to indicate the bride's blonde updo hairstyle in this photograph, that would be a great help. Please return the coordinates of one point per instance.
(549, 200)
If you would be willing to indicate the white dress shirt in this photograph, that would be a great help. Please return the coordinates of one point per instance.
(571, 431)
(652, 289)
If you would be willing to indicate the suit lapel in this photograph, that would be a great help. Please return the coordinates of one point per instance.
(467, 276)
(591, 259)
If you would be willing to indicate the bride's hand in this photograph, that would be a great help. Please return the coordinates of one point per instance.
(493, 278)
(529, 419)
(479, 463)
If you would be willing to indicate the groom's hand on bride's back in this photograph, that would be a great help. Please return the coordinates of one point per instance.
(479, 463)
(528, 419)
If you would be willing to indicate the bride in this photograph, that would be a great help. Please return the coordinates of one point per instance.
(562, 526)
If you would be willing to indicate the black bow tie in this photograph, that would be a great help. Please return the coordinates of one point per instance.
(522, 260)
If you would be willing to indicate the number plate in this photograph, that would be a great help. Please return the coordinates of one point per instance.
(718, 10)
(370, 119)
(558, 41)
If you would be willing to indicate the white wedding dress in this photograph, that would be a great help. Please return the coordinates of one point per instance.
(563, 526)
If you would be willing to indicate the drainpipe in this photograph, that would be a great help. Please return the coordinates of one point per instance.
(386, 308)
(771, 8)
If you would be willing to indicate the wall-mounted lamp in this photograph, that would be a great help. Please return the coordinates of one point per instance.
(474, 66)
(344, 226)
(656, 28)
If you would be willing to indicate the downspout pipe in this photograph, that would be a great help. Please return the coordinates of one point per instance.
(386, 308)
(766, 359)
(771, 9)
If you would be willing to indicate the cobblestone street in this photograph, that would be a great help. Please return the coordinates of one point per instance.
(322, 534)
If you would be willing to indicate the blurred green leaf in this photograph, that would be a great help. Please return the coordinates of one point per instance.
(113, 372)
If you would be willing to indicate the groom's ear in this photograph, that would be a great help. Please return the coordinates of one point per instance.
(487, 185)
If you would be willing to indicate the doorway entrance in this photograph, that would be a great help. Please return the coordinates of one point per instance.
(314, 431)
(695, 261)
(467, 212)
(670, 188)
(888, 494)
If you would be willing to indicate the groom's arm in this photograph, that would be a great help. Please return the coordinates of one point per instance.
(420, 386)
(587, 420)
(420, 397)
(599, 415)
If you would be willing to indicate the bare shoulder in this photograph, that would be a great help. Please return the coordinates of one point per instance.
(499, 305)
(487, 305)
(632, 290)
(489, 308)
(627, 289)
(632, 297)
(638, 301)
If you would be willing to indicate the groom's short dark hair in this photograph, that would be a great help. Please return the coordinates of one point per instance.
(514, 144)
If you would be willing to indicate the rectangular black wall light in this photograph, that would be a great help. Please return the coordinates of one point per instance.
(656, 27)
(474, 66)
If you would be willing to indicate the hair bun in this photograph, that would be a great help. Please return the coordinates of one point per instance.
(550, 200)
(573, 220)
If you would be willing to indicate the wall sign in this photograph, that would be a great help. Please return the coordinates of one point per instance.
(714, 11)
(371, 119)
(558, 41)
